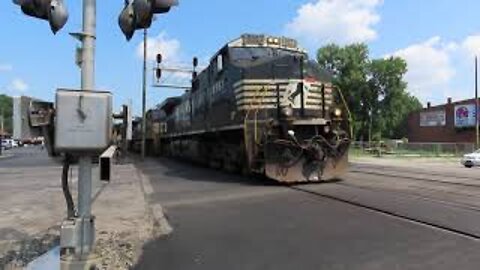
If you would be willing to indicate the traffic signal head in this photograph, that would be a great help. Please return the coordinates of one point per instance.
(138, 14)
(163, 6)
(53, 11)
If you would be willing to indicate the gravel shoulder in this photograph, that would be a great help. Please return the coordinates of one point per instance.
(32, 208)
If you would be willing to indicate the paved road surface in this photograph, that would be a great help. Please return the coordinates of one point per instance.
(223, 221)
(387, 216)
(28, 156)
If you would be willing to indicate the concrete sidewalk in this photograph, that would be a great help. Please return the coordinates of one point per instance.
(32, 207)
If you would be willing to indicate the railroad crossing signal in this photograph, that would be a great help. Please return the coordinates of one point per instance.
(138, 14)
(53, 11)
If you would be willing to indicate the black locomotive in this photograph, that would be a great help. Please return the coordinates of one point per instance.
(259, 107)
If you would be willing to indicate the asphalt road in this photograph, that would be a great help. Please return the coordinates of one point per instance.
(224, 221)
(28, 156)
(410, 216)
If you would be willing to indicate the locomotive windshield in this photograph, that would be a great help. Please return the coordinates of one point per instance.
(313, 70)
(240, 54)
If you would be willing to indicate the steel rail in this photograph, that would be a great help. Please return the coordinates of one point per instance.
(420, 178)
(392, 214)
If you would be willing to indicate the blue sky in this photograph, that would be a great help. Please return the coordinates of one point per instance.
(438, 38)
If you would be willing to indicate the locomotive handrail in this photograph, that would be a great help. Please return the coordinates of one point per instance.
(350, 117)
(260, 103)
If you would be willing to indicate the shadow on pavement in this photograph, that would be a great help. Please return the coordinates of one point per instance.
(185, 170)
(175, 179)
(17, 249)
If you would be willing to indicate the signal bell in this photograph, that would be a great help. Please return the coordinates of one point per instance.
(53, 11)
(138, 14)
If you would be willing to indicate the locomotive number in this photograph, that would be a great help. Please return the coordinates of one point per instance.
(281, 171)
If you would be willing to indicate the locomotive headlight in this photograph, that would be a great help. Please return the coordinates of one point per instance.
(287, 111)
(273, 41)
(337, 112)
(326, 129)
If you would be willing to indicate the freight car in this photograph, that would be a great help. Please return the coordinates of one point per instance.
(259, 107)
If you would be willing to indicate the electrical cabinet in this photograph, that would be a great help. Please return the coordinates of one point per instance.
(83, 121)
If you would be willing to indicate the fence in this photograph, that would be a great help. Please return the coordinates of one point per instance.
(400, 148)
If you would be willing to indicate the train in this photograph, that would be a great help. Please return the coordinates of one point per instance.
(261, 106)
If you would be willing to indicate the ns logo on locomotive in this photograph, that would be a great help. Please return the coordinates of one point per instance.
(259, 107)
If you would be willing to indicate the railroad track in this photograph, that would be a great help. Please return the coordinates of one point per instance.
(418, 178)
(390, 213)
(417, 196)
(362, 166)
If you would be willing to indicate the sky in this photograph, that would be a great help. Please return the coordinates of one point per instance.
(437, 38)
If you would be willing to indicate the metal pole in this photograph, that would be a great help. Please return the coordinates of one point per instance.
(370, 115)
(476, 104)
(85, 161)
(144, 93)
(2, 131)
(302, 93)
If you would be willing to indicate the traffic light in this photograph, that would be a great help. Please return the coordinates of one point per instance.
(138, 14)
(53, 11)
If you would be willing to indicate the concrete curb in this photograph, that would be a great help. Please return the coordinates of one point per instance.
(161, 226)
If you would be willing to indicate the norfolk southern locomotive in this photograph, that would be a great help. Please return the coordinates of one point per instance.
(259, 107)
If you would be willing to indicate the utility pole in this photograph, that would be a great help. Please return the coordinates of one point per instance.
(477, 143)
(144, 93)
(370, 128)
(2, 131)
(85, 161)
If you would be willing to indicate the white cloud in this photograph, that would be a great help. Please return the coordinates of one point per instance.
(170, 48)
(430, 69)
(18, 85)
(471, 45)
(5, 67)
(172, 56)
(339, 21)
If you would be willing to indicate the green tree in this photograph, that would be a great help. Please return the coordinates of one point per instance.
(6, 107)
(375, 90)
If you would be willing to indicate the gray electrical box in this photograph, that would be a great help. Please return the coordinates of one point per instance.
(29, 116)
(83, 120)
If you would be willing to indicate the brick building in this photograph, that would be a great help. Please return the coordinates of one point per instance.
(453, 122)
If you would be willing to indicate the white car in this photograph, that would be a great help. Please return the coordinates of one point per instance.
(6, 144)
(471, 160)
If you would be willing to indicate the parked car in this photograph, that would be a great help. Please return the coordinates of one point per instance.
(14, 143)
(7, 144)
(471, 160)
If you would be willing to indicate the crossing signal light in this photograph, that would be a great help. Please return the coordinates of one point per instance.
(195, 62)
(53, 11)
(159, 58)
(126, 20)
(158, 69)
(138, 14)
(158, 73)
